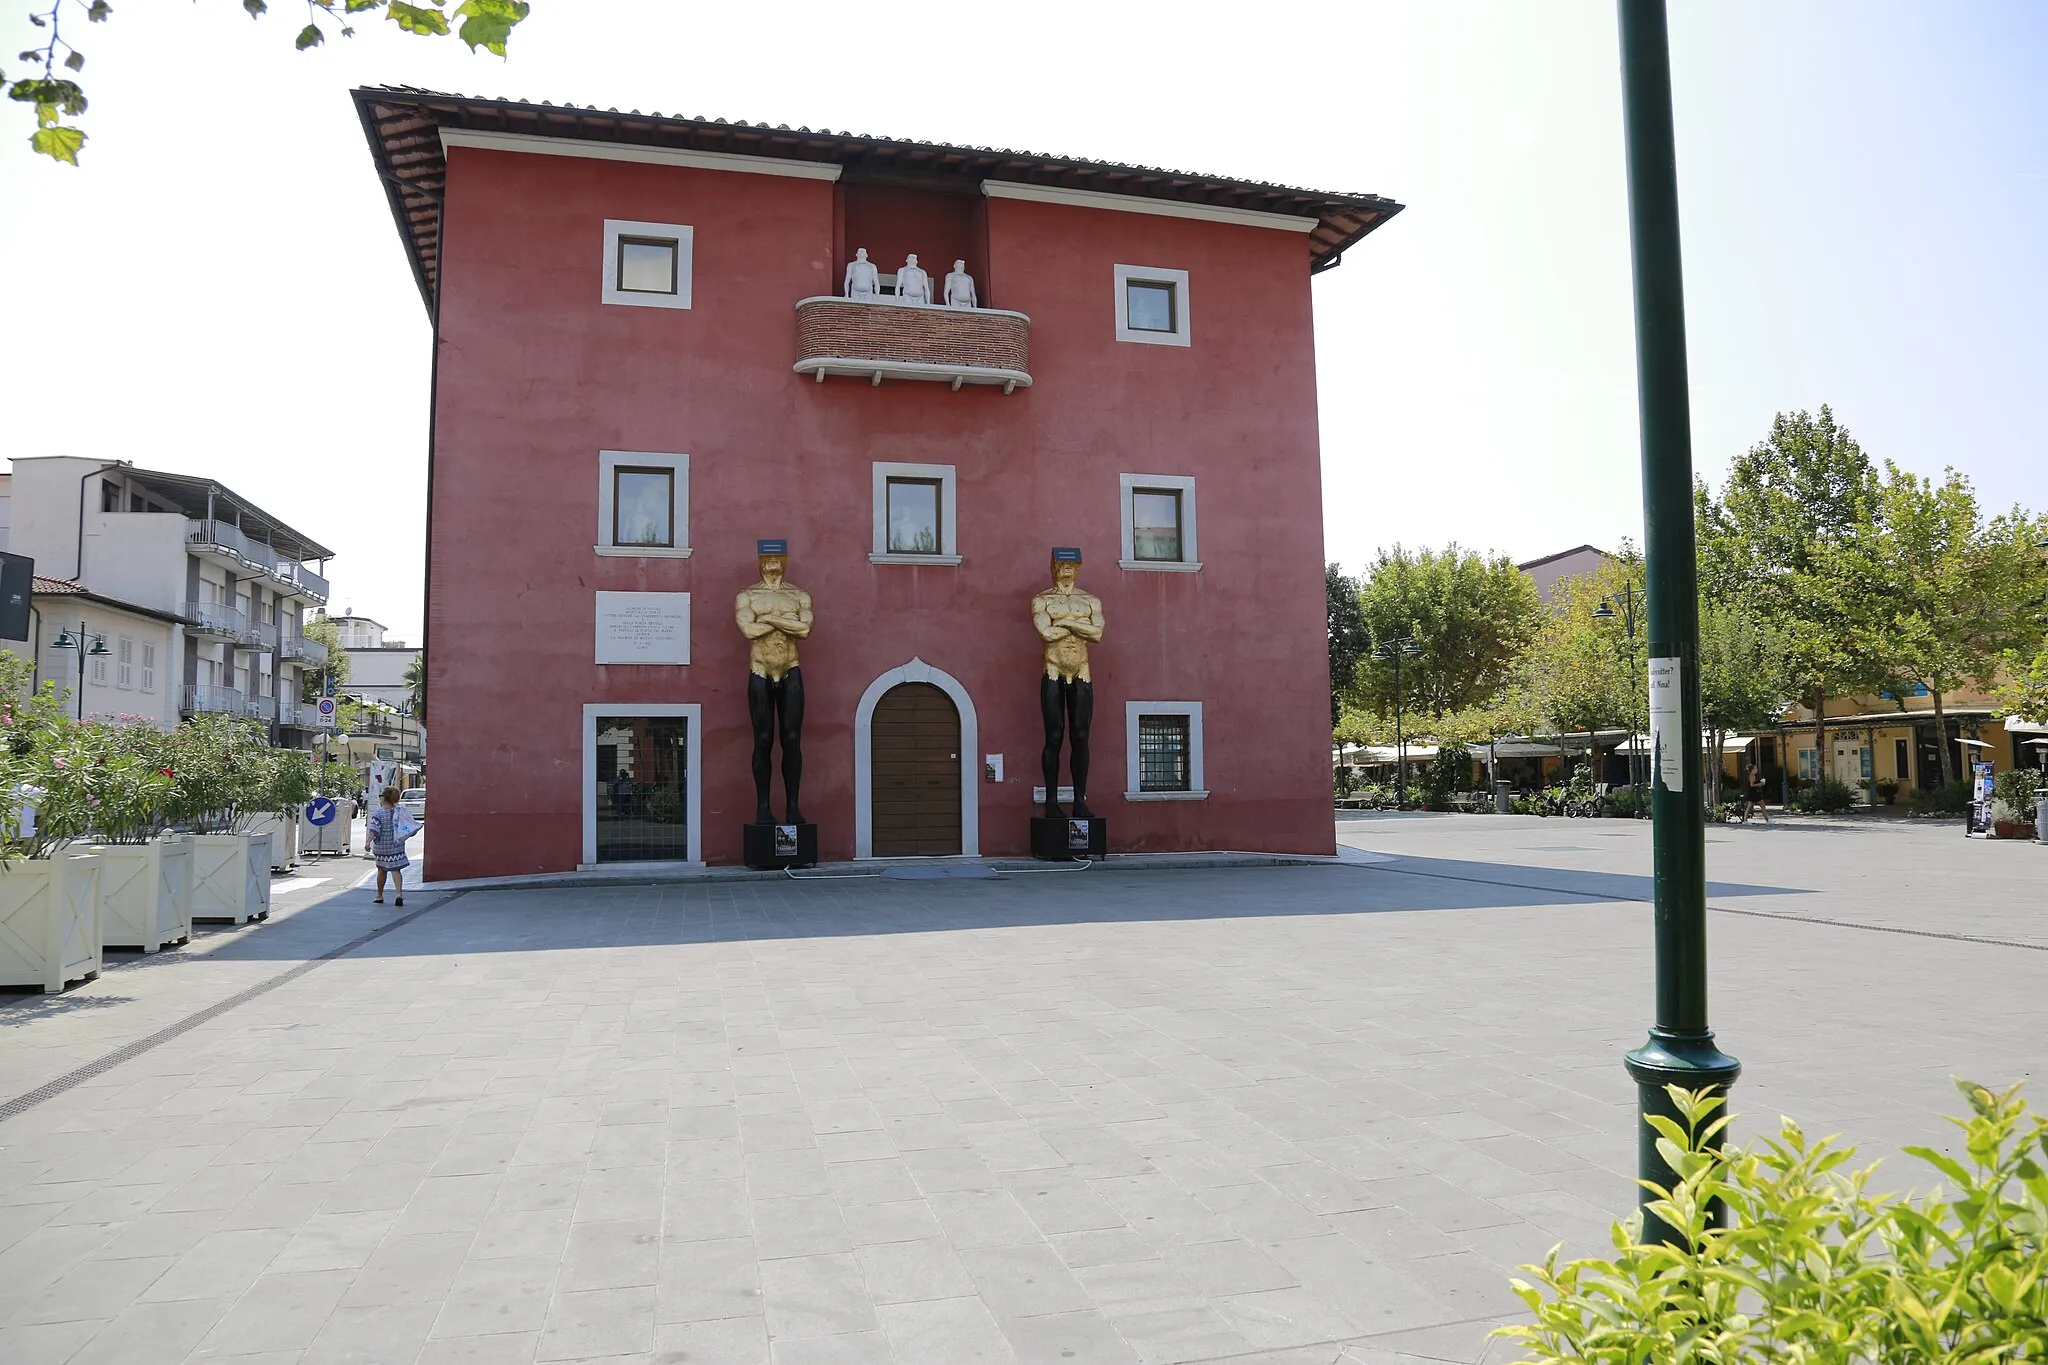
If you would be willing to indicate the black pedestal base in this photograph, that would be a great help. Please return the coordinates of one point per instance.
(1062, 841)
(767, 847)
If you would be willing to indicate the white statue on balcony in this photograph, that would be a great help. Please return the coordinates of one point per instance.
(960, 287)
(863, 281)
(912, 284)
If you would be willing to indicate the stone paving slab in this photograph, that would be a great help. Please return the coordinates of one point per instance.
(42, 1037)
(1290, 1116)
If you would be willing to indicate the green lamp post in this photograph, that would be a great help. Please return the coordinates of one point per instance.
(1680, 1050)
(96, 650)
(1394, 651)
(1627, 599)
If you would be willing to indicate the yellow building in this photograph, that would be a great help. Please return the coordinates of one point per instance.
(1873, 739)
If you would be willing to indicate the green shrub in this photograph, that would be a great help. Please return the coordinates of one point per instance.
(2017, 787)
(1953, 799)
(1627, 802)
(665, 805)
(1827, 796)
(1814, 1268)
(1450, 771)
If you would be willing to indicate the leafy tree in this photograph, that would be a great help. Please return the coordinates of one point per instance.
(56, 96)
(1743, 680)
(1951, 593)
(314, 682)
(1348, 643)
(1470, 617)
(2026, 686)
(416, 688)
(1776, 543)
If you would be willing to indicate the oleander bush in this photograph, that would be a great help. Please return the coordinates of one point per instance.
(1813, 1267)
(126, 780)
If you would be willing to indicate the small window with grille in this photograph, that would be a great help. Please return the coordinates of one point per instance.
(1164, 751)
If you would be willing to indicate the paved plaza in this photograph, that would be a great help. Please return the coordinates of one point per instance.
(1305, 1115)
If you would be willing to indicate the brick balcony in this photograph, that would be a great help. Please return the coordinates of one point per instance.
(886, 340)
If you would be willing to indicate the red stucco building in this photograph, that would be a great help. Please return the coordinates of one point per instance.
(644, 364)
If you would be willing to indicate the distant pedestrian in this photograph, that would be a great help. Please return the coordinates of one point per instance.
(387, 847)
(1753, 781)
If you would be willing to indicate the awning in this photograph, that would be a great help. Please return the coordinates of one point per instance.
(1547, 746)
(1387, 753)
(1734, 744)
(2015, 725)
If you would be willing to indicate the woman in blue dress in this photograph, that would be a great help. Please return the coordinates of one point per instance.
(386, 847)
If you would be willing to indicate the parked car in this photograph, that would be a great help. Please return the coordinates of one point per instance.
(413, 801)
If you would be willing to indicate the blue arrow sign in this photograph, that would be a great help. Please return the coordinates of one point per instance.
(320, 810)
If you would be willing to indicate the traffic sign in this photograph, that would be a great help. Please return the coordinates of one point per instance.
(320, 810)
(326, 708)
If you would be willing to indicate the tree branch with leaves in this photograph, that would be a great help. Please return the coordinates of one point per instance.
(56, 97)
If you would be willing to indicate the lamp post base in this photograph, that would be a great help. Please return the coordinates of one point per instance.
(1690, 1062)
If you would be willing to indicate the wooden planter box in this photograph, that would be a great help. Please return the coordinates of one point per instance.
(50, 921)
(146, 893)
(230, 877)
(284, 841)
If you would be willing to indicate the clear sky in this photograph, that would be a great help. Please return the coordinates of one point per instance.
(1864, 187)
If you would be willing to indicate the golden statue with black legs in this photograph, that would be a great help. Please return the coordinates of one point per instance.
(1068, 620)
(774, 614)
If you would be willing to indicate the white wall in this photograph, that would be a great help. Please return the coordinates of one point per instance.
(44, 516)
(139, 556)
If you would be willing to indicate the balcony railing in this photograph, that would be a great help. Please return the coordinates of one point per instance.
(209, 698)
(883, 339)
(218, 538)
(217, 620)
(301, 580)
(263, 635)
(292, 645)
(259, 708)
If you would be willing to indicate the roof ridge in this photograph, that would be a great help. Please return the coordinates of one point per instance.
(888, 138)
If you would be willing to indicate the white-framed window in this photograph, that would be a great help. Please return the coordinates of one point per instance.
(914, 520)
(1158, 522)
(124, 662)
(1152, 305)
(643, 504)
(148, 666)
(1163, 751)
(99, 661)
(646, 265)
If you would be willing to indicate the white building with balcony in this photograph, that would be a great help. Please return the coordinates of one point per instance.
(236, 584)
(377, 666)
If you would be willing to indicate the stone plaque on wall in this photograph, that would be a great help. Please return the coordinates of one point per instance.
(643, 628)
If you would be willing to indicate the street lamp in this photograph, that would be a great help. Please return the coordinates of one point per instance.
(1627, 599)
(1680, 1050)
(98, 650)
(1393, 651)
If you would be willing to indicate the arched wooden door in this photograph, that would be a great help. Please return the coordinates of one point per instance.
(916, 798)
